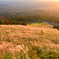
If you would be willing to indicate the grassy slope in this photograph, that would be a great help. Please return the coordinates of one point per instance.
(15, 35)
(17, 38)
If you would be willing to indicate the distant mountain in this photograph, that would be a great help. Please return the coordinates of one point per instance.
(10, 8)
(5, 8)
(28, 6)
(22, 5)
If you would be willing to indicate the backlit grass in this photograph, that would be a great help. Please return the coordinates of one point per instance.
(31, 42)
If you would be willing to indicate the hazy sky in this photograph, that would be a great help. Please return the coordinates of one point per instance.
(29, 0)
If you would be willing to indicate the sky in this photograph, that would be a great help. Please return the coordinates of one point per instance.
(29, 0)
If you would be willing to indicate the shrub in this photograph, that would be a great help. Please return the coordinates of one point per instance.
(1, 21)
(41, 32)
(56, 26)
(23, 23)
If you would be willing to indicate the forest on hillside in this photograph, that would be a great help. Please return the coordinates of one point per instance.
(24, 18)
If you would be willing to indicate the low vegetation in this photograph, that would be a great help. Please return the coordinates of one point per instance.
(29, 42)
(39, 24)
(56, 26)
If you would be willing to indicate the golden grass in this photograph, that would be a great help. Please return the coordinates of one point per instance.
(17, 37)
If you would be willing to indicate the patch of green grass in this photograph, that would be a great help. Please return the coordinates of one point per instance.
(39, 24)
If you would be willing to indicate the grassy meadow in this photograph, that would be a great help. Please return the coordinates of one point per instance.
(29, 42)
(39, 24)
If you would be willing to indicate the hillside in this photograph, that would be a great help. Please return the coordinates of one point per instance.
(3, 18)
(17, 38)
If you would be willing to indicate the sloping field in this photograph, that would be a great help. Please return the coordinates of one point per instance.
(41, 36)
(14, 38)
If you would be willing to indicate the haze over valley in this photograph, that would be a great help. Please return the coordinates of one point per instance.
(28, 5)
